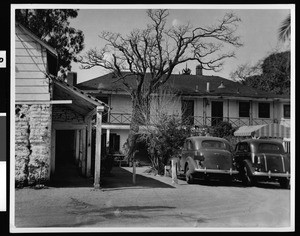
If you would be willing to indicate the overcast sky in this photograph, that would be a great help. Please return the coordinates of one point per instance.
(258, 30)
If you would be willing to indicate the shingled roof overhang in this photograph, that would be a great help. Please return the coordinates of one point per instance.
(82, 103)
(185, 85)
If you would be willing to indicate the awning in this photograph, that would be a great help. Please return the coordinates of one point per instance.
(271, 130)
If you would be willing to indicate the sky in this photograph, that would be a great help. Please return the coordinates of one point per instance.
(258, 30)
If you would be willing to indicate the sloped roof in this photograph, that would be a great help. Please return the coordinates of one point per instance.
(82, 102)
(194, 85)
(36, 38)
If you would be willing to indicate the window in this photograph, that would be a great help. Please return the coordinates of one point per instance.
(286, 111)
(243, 147)
(270, 148)
(264, 110)
(213, 144)
(244, 109)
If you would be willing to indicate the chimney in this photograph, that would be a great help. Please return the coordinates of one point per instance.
(207, 87)
(221, 85)
(72, 78)
(199, 70)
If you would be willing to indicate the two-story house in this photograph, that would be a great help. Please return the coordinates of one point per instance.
(204, 101)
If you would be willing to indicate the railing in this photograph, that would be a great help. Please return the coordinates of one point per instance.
(125, 119)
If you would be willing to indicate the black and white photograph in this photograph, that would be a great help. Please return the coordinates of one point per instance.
(152, 118)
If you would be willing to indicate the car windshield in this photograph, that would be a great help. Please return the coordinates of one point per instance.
(270, 148)
(213, 144)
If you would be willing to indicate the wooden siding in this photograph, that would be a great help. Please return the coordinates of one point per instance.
(31, 66)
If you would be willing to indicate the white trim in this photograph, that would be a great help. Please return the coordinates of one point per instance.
(45, 102)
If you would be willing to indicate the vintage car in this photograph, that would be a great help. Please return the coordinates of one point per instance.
(206, 157)
(262, 159)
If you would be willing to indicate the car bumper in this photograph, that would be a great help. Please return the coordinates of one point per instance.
(271, 175)
(216, 171)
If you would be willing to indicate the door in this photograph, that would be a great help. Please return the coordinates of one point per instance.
(216, 112)
(187, 109)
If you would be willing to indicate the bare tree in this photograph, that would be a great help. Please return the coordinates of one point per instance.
(284, 31)
(150, 55)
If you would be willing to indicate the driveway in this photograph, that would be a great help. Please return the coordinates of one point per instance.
(153, 202)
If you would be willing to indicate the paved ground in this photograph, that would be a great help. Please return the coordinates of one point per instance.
(152, 202)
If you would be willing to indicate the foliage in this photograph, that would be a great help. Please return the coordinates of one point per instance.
(272, 74)
(165, 140)
(223, 129)
(52, 26)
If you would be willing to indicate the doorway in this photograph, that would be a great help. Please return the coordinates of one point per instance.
(216, 112)
(67, 172)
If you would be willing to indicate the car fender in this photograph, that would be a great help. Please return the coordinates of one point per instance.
(192, 164)
(248, 164)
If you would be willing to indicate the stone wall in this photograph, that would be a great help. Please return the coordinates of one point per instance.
(32, 144)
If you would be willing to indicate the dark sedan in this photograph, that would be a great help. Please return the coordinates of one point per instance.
(262, 160)
(206, 157)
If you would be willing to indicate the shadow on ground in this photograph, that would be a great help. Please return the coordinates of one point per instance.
(69, 177)
(121, 178)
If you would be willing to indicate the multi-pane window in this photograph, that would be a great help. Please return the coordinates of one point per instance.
(244, 109)
(286, 111)
(264, 110)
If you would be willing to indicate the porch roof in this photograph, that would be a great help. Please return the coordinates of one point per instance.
(270, 130)
(81, 102)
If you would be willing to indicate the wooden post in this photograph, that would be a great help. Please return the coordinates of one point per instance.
(174, 174)
(98, 147)
(53, 139)
(134, 172)
(107, 138)
(80, 149)
(89, 149)
(251, 113)
(77, 146)
(83, 167)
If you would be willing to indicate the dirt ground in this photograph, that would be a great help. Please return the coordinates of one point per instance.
(152, 204)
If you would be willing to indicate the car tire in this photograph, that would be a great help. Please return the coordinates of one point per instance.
(247, 177)
(284, 183)
(189, 178)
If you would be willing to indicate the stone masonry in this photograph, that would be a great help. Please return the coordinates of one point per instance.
(32, 144)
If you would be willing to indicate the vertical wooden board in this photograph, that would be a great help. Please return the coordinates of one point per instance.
(83, 167)
(53, 148)
(89, 149)
(98, 150)
(77, 133)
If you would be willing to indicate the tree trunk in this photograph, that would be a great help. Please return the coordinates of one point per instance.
(136, 120)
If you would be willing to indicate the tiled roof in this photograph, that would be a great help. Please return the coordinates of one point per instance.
(194, 85)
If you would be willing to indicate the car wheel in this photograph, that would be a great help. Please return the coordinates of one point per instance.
(284, 183)
(188, 176)
(247, 178)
